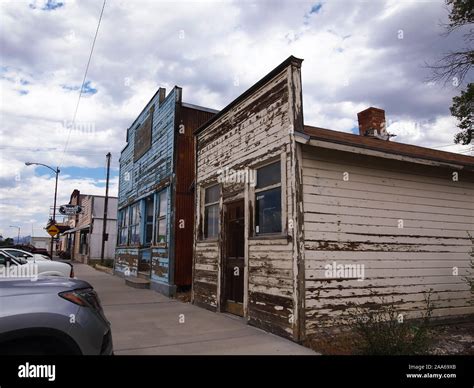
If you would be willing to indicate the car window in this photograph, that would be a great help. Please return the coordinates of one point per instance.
(18, 253)
(3, 259)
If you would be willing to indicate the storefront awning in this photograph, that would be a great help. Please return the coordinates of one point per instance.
(77, 229)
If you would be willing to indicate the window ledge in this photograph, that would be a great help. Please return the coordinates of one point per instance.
(208, 240)
(160, 245)
(278, 236)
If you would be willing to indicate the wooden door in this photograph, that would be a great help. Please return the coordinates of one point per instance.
(234, 261)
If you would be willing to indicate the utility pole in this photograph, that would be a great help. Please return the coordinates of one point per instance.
(106, 205)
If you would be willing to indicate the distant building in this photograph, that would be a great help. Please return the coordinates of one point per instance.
(40, 242)
(83, 241)
(156, 197)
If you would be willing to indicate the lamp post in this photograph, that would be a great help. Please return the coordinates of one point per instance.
(18, 238)
(56, 171)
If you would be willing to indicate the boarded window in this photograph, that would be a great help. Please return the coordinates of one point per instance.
(211, 212)
(142, 138)
(268, 199)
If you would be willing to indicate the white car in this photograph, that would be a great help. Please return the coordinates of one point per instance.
(24, 254)
(11, 266)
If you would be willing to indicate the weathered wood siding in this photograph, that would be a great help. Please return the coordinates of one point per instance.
(356, 221)
(257, 129)
(143, 177)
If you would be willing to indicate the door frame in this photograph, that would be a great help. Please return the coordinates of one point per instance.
(223, 253)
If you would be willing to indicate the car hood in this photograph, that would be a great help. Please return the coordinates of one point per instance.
(46, 284)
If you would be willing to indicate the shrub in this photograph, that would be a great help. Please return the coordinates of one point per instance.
(380, 328)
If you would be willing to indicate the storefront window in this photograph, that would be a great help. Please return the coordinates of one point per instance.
(161, 217)
(211, 211)
(268, 199)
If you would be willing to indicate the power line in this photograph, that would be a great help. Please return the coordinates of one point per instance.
(83, 82)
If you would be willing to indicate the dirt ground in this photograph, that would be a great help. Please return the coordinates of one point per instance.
(453, 339)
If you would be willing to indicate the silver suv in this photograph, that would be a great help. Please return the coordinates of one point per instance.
(52, 316)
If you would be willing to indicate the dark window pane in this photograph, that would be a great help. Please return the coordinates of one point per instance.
(268, 175)
(149, 220)
(161, 231)
(211, 221)
(212, 194)
(149, 209)
(268, 211)
(149, 233)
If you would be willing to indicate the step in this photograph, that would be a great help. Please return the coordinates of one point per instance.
(137, 282)
(144, 275)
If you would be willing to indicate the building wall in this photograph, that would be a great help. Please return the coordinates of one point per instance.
(256, 130)
(147, 175)
(356, 221)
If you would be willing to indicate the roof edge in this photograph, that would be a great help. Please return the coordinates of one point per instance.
(290, 60)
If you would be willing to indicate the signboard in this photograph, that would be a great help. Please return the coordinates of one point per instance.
(52, 230)
(142, 138)
(70, 210)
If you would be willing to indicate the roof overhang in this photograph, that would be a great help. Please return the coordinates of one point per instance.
(378, 148)
(77, 229)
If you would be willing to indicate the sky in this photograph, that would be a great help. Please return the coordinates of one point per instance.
(356, 54)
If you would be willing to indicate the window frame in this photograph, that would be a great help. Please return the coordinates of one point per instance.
(132, 226)
(205, 206)
(160, 217)
(147, 201)
(123, 223)
(257, 191)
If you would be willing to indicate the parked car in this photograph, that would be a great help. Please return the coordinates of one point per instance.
(52, 316)
(27, 255)
(34, 267)
(30, 248)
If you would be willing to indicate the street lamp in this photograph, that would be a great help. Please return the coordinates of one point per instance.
(56, 171)
(18, 238)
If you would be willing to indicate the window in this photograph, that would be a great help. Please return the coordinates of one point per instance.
(149, 208)
(211, 211)
(123, 227)
(162, 200)
(83, 247)
(268, 199)
(17, 253)
(135, 224)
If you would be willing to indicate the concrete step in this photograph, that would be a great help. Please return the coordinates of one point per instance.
(144, 275)
(137, 282)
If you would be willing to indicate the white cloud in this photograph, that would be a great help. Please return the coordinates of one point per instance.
(353, 58)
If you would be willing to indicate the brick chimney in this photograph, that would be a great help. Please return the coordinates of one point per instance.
(372, 122)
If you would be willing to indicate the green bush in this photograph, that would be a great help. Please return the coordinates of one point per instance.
(380, 329)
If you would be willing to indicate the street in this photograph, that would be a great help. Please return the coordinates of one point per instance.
(147, 323)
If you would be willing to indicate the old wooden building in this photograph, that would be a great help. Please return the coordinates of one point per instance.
(155, 218)
(296, 224)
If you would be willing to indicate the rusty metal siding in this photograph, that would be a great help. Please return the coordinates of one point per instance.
(356, 222)
(189, 119)
(256, 129)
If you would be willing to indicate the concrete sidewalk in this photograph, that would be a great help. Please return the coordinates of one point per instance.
(145, 322)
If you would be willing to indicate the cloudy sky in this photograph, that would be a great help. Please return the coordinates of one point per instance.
(356, 54)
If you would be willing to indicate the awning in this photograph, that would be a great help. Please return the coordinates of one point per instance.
(77, 229)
